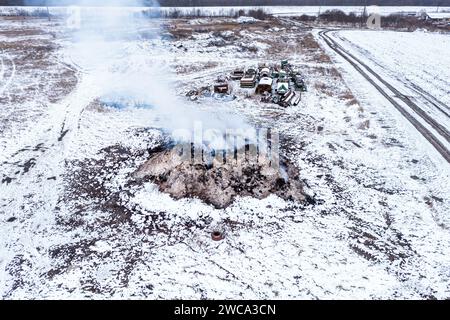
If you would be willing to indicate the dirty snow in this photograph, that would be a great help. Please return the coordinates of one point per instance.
(71, 226)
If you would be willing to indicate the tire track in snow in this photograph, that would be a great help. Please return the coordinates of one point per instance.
(432, 99)
(360, 66)
(53, 135)
(49, 138)
(427, 97)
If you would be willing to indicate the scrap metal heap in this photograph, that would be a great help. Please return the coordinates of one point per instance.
(281, 84)
(250, 78)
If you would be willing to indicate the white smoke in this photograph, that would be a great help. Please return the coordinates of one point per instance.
(115, 45)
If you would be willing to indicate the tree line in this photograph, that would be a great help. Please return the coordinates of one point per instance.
(194, 3)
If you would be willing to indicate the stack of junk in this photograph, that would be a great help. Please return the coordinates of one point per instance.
(281, 84)
(221, 91)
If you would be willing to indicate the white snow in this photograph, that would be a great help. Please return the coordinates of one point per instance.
(439, 15)
(379, 229)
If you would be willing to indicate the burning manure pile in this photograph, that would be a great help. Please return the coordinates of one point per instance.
(218, 177)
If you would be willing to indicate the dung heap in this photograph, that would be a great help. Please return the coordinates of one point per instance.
(220, 179)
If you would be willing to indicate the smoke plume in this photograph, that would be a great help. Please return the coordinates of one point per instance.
(119, 48)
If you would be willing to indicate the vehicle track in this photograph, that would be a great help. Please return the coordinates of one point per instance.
(433, 100)
(2, 68)
(3, 74)
(47, 142)
(439, 105)
(360, 66)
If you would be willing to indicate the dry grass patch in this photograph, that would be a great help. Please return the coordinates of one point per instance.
(353, 102)
(182, 28)
(320, 57)
(192, 68)
(323, 88)
(97, 106)
(309, 42)
(178, 34)
(322, 71)
(36, 59)
(21, 32)
(349, 98)
(334, 73)
(347, 95)
(328, 72)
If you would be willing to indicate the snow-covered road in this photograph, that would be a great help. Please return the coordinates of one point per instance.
(428, 118)
(414, 62)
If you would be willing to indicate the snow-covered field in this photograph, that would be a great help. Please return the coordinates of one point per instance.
(275, 10)
(408, 62)
(71, 226)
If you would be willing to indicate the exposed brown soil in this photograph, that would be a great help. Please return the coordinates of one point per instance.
(220, 182)
(22, 32)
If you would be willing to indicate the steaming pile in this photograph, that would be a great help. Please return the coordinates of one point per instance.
(221, 180)
(144, 80)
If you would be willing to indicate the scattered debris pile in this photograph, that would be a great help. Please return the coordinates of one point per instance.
(221, 91)
(221, 86)
(221, 180)
(281, 84)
